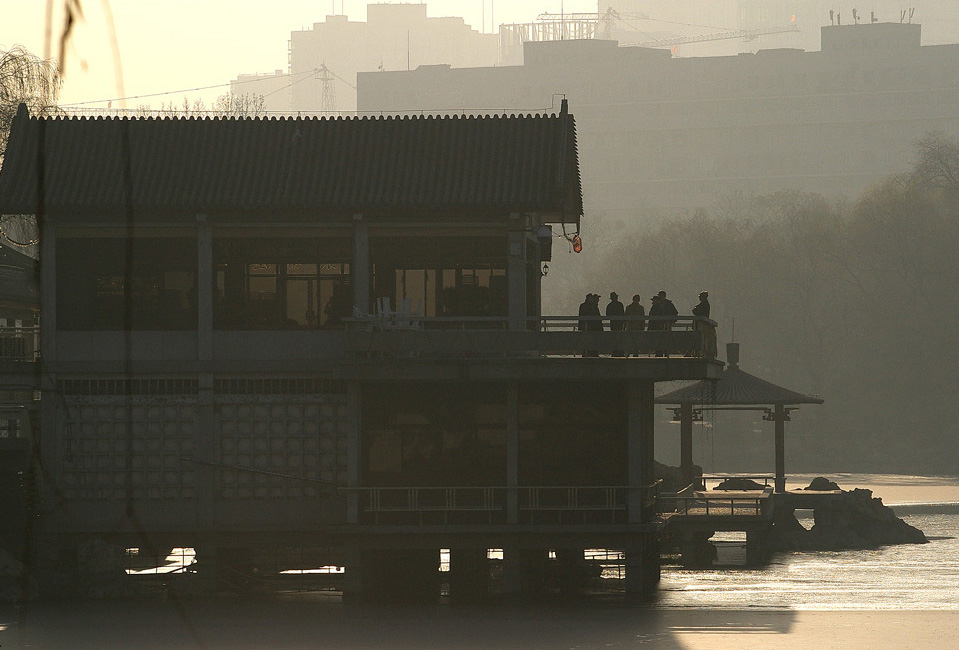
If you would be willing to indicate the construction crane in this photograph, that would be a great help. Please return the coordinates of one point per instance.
(745, 34)
(588, 22)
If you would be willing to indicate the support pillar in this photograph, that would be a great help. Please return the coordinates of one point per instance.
(516, 273)
(204, 289)
(686, 442)
(639, 447)
(573, 570)
(779, 416)
(757, 551)
(354, 445)
(400, 575)
(525, 571)
(469, 575)
(512, 453)
(360, 268)
(642, 565)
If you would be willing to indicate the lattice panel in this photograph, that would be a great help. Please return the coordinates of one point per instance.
(286, 447)
(115, 447)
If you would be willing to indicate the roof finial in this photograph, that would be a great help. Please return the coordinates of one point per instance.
(732, 355)
(564, 107)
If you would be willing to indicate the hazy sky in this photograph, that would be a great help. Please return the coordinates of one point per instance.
(185, 44)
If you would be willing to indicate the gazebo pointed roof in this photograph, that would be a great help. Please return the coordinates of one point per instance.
(736, 387)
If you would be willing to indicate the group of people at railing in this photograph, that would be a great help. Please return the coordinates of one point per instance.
(633, 317)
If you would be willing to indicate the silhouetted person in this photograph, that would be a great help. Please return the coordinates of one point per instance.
(656, 309)
(635, 309)
(584, 311)
(702, 309)
(615, 308)
(669, 309)
(709, 331)
(637, 313)
(590, 308)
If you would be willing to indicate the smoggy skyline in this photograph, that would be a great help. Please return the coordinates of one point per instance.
(186, 44)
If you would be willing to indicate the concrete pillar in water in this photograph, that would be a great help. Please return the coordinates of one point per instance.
(757, 548)
(469, 575)
(573, 570)
(400, 575)
(642, 565)
(696, 549)
(525, 571)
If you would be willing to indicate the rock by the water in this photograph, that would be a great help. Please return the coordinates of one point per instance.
(736, 483)
(672, 477)
(821, 484)
(854, 520)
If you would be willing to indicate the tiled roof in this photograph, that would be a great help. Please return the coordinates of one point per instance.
(735, 387)
(301, 168)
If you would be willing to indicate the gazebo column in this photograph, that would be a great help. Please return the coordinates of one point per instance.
(686, 442)
(779, 417)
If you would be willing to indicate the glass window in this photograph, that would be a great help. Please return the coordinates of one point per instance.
(114, 283)
(281, 283)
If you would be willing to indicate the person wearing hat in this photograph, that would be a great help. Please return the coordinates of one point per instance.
(709, 337)
(702, 309)
(584, 309)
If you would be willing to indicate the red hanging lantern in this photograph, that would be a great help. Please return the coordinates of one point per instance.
(577, 244)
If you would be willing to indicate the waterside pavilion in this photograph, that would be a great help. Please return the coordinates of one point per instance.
(736, 389)
(261, 335)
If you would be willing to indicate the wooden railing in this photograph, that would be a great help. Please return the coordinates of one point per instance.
(710, 504)
(547, 336)
(535, 504)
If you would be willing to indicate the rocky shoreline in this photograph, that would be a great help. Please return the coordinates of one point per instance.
(854, 520)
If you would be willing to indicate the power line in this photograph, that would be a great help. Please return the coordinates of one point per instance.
(185, 90)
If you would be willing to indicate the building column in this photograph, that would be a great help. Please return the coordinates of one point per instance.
(204, 289)
(516, 273)
(205, 449)
(354, 446)
(48, 294)
(686, 442)
(360, 267)
(639, 446)
(512, 452)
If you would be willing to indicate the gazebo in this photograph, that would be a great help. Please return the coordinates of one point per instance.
(736, 390)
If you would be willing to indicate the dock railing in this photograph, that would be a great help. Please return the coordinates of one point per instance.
(711, 504)
(535, 504)
(418, 336)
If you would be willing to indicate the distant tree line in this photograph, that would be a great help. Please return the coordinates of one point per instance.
(855, 301)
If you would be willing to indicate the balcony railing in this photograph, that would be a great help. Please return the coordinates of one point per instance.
(414, 336)
(19, 343)
(489, 505)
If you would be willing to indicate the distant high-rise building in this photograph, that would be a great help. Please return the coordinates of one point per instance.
(643, 21)
(394, 37)
(660, 133)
